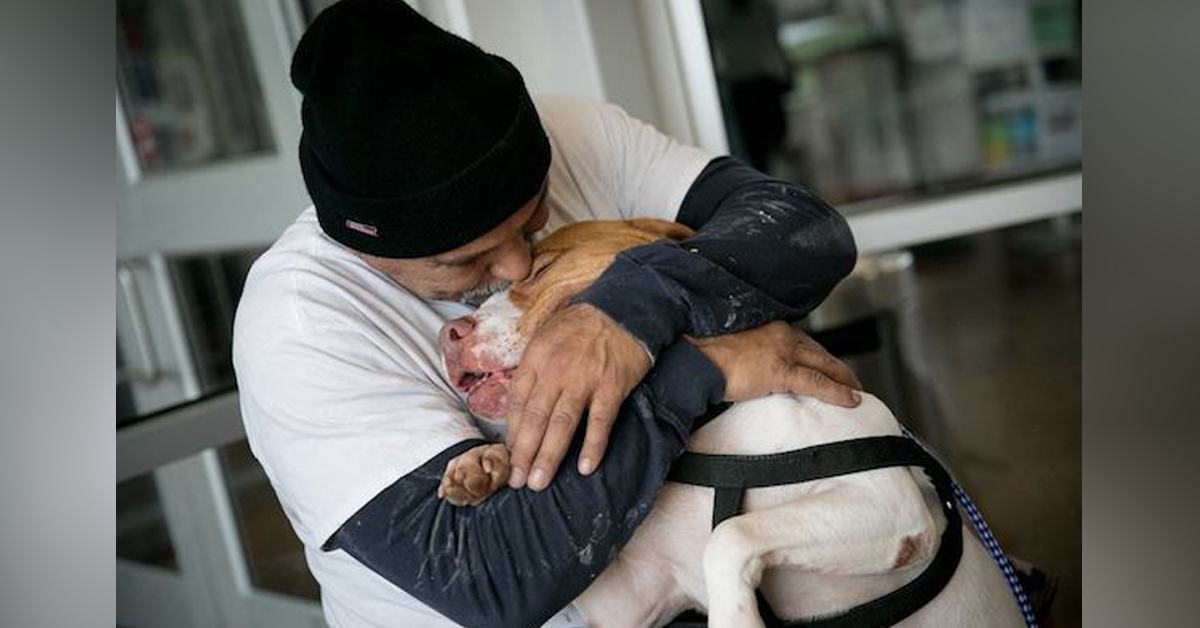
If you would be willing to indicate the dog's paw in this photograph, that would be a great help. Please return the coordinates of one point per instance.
(474, 475)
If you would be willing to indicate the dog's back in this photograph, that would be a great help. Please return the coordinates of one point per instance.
(667, 556)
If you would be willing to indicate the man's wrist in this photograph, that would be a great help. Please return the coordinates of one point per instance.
(649, 353)
(686, 381)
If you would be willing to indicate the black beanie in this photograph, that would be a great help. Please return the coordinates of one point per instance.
(415, 141)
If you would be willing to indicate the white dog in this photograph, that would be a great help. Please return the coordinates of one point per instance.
(813, 549)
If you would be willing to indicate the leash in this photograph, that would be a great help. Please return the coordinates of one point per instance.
(730, 477)
(991, 544)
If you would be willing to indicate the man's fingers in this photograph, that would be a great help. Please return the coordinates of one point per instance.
(815, 357)
(601, 416)
(531, 427)
(802, 380)
(559, 431)
(518, 394)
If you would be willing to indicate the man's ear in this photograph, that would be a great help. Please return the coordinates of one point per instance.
(663, 228)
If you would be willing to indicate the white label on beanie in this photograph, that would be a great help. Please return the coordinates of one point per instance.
(363, 228)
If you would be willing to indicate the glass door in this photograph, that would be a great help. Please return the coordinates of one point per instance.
(207, 125)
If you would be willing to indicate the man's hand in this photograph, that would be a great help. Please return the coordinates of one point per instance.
(777, 358)
(579, 360)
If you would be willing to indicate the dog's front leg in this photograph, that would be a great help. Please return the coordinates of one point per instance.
(472, 476)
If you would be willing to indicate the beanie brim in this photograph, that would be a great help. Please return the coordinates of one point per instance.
(445, 216)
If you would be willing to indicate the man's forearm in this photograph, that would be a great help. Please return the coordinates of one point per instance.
(764, 250)
(523, 555)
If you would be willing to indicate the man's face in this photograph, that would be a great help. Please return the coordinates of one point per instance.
(473, 271)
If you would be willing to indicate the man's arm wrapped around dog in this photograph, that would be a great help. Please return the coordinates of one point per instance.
(764, 249)
(521, 556)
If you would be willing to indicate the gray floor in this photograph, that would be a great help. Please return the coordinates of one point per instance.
(997, 320)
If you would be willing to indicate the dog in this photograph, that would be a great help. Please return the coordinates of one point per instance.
(811, 549)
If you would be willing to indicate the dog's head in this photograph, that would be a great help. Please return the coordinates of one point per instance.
(481, 350)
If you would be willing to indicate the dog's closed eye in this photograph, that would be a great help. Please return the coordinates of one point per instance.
(540, 266)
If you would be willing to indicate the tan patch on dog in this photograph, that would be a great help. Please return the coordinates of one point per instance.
(910, 547)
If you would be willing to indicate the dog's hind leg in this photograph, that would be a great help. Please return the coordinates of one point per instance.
(850, 529)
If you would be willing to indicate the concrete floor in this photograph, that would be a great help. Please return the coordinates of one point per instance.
(997, 319)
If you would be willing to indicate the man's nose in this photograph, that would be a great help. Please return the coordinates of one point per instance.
(513, 263)
(453, 335)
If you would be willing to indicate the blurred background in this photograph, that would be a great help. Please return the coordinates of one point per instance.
(873, 99)
(949, 132)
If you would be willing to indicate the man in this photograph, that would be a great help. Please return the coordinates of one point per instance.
(430, 169)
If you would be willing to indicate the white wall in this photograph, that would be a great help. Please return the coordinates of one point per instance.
(548, 40)
(624, 69)
(620, 51)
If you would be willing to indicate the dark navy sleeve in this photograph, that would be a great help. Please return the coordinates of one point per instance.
(522, 556)
(764, 249)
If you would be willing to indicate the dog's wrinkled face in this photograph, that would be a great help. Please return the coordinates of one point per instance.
(482, 350)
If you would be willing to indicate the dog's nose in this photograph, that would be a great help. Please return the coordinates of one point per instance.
(454, 333)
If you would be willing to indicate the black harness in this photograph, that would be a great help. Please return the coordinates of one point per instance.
(730, 476)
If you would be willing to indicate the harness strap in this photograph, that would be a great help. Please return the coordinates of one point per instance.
(803, 465)
(730, 476)
(727, 502)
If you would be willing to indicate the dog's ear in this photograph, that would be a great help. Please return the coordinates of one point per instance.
(663, 228)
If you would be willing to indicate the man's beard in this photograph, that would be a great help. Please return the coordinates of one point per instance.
(477, 295)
